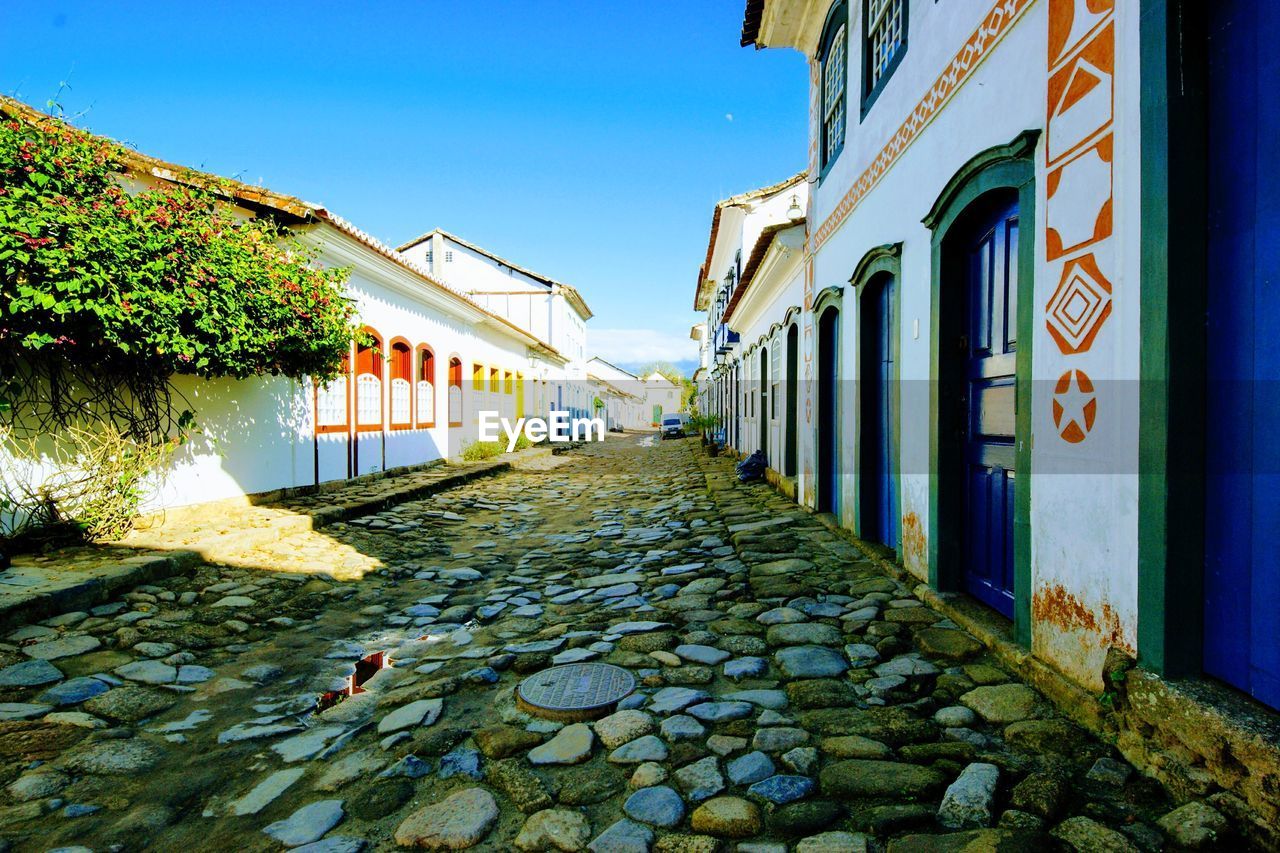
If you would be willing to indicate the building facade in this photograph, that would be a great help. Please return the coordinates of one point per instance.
(411, 390)
(1015, 371)
(738, 225)
(552, 311)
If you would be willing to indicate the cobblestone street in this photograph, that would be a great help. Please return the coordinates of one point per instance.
(789, 695)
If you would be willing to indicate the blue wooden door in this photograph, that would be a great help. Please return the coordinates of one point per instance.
(828, 425)
(991, 365)
(1242, 506)
(879, 511)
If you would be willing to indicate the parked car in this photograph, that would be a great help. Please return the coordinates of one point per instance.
(674, 426)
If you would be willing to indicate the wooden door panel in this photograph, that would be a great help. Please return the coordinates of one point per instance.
(991, 399)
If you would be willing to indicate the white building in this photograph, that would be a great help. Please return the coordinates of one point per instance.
(661, 397)
(623, 393)
(740, 226)
(408, 398)
(1030, 244)
(552, 311)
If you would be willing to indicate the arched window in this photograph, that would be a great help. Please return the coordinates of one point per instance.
(425, 397)
(455, 392)
(835, 76)
(369, 382)
(333, 402)
(401, 385)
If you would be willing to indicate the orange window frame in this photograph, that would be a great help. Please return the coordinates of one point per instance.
(455, 380)
(369, 359)
(426, 365)
(315, 402)
(400, 352)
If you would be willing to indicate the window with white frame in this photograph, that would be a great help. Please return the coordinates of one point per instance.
(884, 43)
(368, 400)
(401, 413)
(835, 73)
(331, 403)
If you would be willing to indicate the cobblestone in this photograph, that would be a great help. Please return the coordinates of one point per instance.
(789, 696)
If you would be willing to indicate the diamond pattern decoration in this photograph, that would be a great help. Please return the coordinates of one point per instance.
(1079, 306)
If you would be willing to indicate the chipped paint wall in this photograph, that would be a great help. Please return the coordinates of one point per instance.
(975, 75)
(1084, 497)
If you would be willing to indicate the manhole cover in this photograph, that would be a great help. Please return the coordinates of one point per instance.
(576, 691)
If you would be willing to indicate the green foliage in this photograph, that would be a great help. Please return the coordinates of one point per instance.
(479, 450)
(666, 368)
(110, 285)
(704, 423)
(523, 442)
(151, 281)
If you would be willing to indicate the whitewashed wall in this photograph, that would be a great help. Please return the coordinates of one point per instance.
(1083, 494)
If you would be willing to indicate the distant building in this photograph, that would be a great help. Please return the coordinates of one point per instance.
(622, 393)
(662, 397)
(550, 310)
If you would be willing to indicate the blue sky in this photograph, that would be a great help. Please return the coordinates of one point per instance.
(586, 140)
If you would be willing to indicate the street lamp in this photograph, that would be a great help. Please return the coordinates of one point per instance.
(794, 213)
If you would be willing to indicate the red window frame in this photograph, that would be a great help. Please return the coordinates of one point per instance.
(400, 355)
(315, 402)
(369, 359)
(425, 359)
(455, 379)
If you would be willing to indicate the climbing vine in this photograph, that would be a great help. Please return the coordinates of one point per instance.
(112, 284)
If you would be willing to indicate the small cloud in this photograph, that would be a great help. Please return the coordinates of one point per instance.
(728, 116)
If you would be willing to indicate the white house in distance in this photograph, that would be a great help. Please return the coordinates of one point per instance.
(622, 393)
(552, 311)
(662, 397)
(405, 399)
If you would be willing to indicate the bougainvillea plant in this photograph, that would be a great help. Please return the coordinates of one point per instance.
(111, 284)
(124, 283)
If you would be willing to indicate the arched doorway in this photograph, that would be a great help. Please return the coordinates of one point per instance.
(763, 379)
(877, 387)
(982, 322)
(789, 461)
(979, 299)
(828, 421)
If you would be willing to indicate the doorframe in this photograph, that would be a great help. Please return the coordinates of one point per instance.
(762, 357)
(882, 260)
(1173, 103)
(1010, 166)
(791, 425)
(830, 298)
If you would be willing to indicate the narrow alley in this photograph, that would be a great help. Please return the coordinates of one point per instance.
(787, 692)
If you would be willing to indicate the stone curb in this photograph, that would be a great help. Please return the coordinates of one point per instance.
(97, 585)
(323, 516)
(96, 589)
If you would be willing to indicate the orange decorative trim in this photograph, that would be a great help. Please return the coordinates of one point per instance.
(977, 47)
